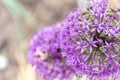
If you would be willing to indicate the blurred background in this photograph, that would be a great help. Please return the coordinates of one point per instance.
(19, 20)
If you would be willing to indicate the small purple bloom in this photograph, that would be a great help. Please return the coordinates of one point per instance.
(45, 55)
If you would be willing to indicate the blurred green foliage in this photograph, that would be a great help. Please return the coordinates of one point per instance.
(18, 11)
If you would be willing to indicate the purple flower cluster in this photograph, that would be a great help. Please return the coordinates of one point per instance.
(44, 55)
(90, 40)
(87, 42)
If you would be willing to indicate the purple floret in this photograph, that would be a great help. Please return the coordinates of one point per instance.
(44, 55)
(90, 40)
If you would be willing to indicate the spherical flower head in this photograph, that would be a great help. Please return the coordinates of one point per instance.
(90, 40)
(44, 55)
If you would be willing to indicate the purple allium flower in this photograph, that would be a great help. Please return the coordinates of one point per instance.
(44, 55)
(90, 40)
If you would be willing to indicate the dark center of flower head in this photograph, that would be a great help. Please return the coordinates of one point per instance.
(110, 19)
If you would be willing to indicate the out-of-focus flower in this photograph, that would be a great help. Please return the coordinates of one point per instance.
(45, 55)
(90, 40)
